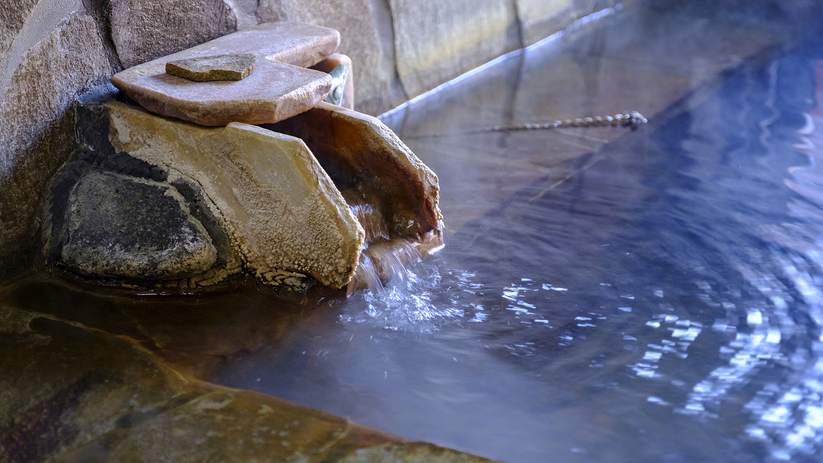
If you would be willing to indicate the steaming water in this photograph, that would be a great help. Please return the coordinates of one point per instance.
(663, 302)
(603, 296)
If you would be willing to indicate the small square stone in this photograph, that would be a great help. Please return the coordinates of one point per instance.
(213, 68)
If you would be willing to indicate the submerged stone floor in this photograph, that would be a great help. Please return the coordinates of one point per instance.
(106, 378)
(90, 374)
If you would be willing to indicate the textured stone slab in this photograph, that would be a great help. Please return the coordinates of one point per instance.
(279, 87)
(142, 31)
(279, 207)
(211, 68)
(41, 73)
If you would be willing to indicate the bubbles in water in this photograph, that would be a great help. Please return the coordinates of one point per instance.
(404, 293)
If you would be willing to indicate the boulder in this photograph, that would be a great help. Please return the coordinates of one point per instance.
(369, 162)
(278, 206)
(46, 60)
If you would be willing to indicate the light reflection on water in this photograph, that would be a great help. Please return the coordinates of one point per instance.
(663, 303)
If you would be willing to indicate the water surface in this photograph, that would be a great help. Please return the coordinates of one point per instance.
(651, 296)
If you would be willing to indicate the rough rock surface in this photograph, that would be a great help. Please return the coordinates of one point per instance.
(69, 393)
(437, 41)
(280, 208)
(144, 30)
(123, 226)
(279, 88)
(53, 50)
(37, 86)
(210, 68)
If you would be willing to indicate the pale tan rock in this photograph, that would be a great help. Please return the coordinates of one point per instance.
(436, 41)
(13, 20)
(279, 207)
(211, 68)
(272, 93)
(279, 88)
(375, 164)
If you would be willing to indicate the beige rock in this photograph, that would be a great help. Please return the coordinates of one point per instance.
(211, 68)
(13, 20)
(280, 208)
(436, 41)
(144, 30)
(366, 36)
(367, 157)
(279, 87)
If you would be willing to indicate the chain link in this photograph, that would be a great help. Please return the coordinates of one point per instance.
(632, 120)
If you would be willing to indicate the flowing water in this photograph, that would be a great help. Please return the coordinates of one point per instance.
(604, 295)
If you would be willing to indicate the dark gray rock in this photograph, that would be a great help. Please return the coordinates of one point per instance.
(125, 227)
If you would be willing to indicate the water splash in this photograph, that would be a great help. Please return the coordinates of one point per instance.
(401, 295)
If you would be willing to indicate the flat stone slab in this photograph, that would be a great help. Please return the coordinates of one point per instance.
(280, 86)
(211, 68)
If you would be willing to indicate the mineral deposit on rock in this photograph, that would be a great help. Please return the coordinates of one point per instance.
(212, 68)
(279, 87)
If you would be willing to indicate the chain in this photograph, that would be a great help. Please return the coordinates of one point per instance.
(632, 120)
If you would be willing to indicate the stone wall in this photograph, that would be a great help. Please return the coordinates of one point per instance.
(52, 51)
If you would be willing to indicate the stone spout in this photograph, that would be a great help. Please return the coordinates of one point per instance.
(368, 161)
(244, 195)
(186, 191)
